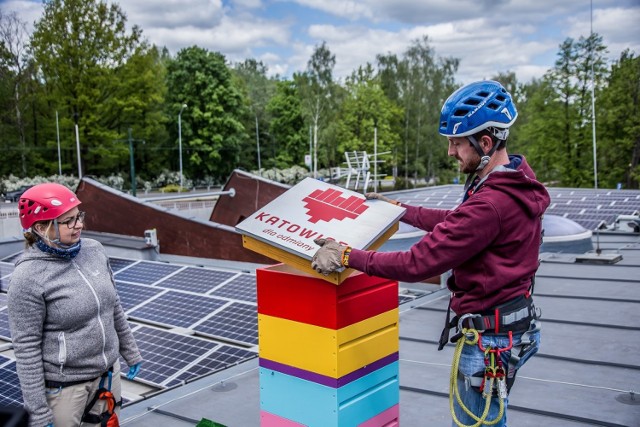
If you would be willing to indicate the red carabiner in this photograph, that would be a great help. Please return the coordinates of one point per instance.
(498, 350)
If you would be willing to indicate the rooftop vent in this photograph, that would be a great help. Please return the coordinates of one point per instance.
(627, 223)
(562, 235)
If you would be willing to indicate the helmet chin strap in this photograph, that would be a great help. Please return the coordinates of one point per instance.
(55, 241)
(485, 158)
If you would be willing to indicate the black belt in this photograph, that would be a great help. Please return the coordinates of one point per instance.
(61, 384)
(514, 315)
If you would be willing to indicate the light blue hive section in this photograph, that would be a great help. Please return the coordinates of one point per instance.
(316, 405)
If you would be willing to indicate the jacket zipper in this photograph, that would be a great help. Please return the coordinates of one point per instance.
(104, 335)
(62, 351)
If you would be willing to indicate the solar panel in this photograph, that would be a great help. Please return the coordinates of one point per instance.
(146, 272)
(118, 264)
(402, 299)
(5, 332)
(242, 287)
(223, 357)
(10, 394)
(132, 295)
(176, 308)
(12, 258)
(199, 280)
(165, 353)
(3, 300)
(6, 269)
(587, 207)
(237, 322)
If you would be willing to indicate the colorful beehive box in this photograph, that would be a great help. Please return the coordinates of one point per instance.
(328, 354)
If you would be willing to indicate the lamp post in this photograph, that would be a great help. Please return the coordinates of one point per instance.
(132, 166)
(75, 117)
(180, 140)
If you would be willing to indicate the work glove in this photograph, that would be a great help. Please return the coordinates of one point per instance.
(133, 371)
(378, 196)
(329, 257)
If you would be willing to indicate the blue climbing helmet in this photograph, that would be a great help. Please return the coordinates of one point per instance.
(478, 106)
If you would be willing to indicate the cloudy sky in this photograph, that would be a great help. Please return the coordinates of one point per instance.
(488, 36)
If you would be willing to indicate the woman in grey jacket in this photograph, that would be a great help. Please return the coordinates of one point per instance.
(67, 325)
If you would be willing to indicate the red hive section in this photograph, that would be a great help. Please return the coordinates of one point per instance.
(314, 302)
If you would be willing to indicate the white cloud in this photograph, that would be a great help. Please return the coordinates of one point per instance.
(230, 37)
(248, 4)
(619, 28)
(348, 9)
(172, 13)
(488, 36)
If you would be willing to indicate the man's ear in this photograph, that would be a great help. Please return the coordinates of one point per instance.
(486, 143)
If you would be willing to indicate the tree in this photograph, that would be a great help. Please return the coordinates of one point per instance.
(619, 129)
(287, 127)
(366, 110)
(140, 105)
(16, 74)
(258, 90)
(212, 132)
(423, 82)
(316, 86)
(559, 124)
(80, 47)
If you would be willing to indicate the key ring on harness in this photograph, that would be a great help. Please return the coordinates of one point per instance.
(472, 337)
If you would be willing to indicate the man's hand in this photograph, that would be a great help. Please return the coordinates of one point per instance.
(378, 196)
(329, 257)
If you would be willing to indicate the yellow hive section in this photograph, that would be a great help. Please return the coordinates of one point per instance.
(329, 352)
(303, 264)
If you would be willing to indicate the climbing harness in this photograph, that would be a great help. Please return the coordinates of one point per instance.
(108, 418)
(493, 372)
(516, 316)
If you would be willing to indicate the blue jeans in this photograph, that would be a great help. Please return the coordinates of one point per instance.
(472, 362)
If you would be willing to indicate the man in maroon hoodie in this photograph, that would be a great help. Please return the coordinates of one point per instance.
(490, 242)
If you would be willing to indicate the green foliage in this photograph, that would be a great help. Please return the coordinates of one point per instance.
(558, 127)
(84, 66)
(287, 128)
(98, 75)
(419, 82)
(619, 125)
(212, 131)
(366, 115)
(257, 90)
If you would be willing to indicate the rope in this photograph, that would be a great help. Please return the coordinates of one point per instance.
(453, 386)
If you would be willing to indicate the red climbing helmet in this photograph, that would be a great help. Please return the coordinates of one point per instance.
(45, 202)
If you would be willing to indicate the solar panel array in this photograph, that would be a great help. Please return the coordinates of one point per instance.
(218, 307)
(165, 296)
(6, 269)
(588, 207)
(10, 393)
(5, 333)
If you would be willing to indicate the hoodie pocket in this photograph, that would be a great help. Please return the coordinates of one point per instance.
(62, 351)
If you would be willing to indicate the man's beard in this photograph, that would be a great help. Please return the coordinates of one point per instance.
(471, 165)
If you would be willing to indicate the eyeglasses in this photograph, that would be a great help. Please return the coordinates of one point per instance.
(73, 221)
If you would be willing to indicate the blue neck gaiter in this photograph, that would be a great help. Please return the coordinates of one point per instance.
(68, 253)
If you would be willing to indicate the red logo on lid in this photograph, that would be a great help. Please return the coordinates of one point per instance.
(328, 204)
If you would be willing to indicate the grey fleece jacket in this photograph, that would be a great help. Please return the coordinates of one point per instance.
(66, 322)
